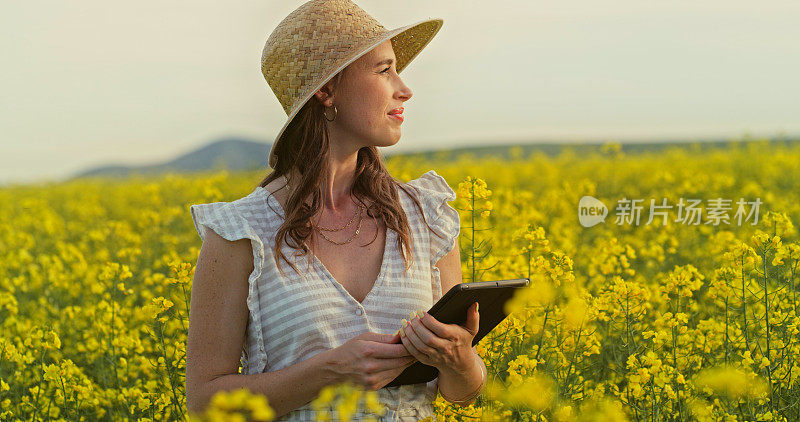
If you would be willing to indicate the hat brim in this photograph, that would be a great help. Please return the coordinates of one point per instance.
(407, 41)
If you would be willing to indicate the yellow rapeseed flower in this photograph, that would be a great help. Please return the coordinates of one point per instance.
(731, 382)
(237, 404)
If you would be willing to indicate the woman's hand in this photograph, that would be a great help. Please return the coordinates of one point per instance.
(447, 347)
(370, 360)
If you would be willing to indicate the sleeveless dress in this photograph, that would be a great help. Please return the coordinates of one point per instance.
(295, 315)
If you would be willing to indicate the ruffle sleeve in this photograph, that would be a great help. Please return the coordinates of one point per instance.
(443, 219)
(227, 221)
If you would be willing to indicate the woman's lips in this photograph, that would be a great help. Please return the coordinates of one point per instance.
(398, 116)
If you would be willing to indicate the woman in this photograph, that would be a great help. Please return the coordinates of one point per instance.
(374, 254)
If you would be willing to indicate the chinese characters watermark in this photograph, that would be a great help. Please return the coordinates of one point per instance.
(592, 211)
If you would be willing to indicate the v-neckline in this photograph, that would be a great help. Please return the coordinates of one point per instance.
(384, 259)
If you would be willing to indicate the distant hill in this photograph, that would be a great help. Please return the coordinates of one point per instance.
(503, 151)
(236, 154)
(228, 153)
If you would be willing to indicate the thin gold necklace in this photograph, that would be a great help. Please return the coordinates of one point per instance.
(332, 230)
(345, 226)
(351, 237)
(320, 229)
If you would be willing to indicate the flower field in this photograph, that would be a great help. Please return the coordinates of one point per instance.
(690, 315)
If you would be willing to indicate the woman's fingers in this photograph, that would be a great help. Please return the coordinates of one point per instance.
(392, 363)
(414, 344)
(386, 376)
(388, 350)
(430, 341)
(435, 326)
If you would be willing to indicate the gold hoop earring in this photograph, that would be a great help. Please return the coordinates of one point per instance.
(335, 113)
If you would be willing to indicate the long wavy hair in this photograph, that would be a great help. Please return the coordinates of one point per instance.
(306, 150)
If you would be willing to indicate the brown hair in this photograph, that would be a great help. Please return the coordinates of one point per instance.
(305, 148)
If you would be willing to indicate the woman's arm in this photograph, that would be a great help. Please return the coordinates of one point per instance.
(455, 386)
(458, 384)
(217, 327)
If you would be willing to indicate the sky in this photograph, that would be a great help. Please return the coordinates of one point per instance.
(93, 82)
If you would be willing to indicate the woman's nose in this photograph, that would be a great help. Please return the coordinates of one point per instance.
(405, 93)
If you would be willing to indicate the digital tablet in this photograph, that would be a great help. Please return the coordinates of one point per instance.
(452, 309)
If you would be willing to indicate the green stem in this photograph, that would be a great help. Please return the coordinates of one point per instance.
(744, 305)
(675, 358)
(541, 337)
(186, 303)
(64, 390)
(169, 371)
(472, 216)
(727, 353)
(39, 390)
(766, 320)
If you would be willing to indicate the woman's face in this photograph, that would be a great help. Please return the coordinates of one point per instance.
(369, 90)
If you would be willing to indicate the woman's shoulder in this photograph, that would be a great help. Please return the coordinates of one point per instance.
(241, 217)
(431, 189)
(434, 194)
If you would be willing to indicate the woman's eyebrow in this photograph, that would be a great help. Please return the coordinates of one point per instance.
(384, 61)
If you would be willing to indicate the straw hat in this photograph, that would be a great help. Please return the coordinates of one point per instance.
(322, 37)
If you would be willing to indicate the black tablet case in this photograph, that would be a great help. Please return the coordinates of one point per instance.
(452, 309)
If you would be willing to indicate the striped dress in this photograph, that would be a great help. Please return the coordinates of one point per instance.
(293, 316)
